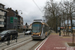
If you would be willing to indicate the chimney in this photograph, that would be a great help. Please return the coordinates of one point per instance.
(16, 12)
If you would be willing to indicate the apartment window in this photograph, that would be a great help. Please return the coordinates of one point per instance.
(1, 23)
(1, 6)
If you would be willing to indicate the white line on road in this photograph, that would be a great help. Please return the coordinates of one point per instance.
(41, 44)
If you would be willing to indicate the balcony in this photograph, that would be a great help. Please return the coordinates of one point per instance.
(1, 18)
(1, 25)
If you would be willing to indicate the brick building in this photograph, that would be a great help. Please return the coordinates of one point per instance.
(13, 19)
(20, 22)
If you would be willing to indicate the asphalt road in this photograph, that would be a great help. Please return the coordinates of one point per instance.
(20, 36)
(28, 45)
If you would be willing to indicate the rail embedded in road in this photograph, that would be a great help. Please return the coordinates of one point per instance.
(12, 44)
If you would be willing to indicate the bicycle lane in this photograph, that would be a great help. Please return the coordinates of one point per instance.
(53, 42)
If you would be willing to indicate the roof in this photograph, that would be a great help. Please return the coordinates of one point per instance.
(30, 24)
(19, 16)
(42, 23)
(2, 4)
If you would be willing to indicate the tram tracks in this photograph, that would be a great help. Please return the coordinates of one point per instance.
(4, 43)
(22, 44)
(13, 44)
(28, 45)
(33, 47)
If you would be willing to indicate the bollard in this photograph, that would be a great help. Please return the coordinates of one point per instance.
(16, 39)
(8, 39)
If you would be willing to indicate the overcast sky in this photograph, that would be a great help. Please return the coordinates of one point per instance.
(29, 9)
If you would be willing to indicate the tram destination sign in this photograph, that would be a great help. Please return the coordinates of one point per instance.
(38, 20)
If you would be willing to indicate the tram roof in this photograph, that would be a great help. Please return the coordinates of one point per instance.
(42, 23)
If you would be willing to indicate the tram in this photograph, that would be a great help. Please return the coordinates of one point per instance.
(40, 30)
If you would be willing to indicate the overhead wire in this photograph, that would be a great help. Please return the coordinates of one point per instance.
(37, 5)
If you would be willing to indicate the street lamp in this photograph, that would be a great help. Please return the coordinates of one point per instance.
(21, 11)
(57, 22)
(57, 16)
(60, 26)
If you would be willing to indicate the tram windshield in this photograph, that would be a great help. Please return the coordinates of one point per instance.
(36, 28)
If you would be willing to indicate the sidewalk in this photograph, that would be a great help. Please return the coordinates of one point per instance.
(56, 42)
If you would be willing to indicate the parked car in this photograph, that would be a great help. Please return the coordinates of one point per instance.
(8, 35)
(27, 32)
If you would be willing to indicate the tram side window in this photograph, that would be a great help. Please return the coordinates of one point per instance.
(45, 28)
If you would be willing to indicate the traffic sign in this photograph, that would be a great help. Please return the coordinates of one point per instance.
(11, 19)
(15, 17)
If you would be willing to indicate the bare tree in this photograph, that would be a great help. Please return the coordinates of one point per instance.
(68, 8)
(51, 14)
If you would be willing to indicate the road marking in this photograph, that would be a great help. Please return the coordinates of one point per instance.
(41, 44)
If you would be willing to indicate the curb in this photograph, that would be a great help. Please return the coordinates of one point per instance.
(41, 44)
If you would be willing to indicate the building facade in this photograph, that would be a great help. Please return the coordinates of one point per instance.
(20, 22)
(13, 19)
(2, 17)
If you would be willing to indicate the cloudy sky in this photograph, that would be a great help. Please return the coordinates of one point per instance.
(29, 9)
